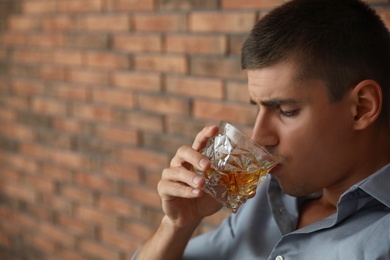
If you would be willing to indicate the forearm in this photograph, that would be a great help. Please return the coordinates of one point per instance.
(168, 242)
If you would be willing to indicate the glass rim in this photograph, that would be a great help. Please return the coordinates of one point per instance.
(223, 123)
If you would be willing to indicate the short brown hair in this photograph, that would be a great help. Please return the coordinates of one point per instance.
(339, 41)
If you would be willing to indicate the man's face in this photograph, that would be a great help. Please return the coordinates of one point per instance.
(298, 123)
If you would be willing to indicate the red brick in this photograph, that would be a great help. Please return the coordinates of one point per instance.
(48, 106)
(13, 38)
(23, 23)
(221, 22)
(114, 97)
(161, 142)
(87, 76)
(117, 205)
(144, 195)
(26, 87)
(138, 42)
(98, 250)
(71, 92)
(88, 41)
(17, 131)
(251, 4)
(33, 150)
(68, 254)
(74, 225)
(42, 243)
(5, 240)
(120, 172)
(195, 86)
(93, 181)
(162, 63)
(145, 121)
(139, 230)
(95, 216)
(68, 159)
(188, 4)
(17, 103)
(237, 91)
(144, 158)
(51, 72)
(57, 173)
(110, 23)
(57, 234)
(46, 40)
(118, 240)
(26, 56)
(77, 194)
(41, 185)
(134, 5)
(10, 175)
(22, 163)
(235, 43)
(3, 56)
(217, 67)
(106, 60)
(137, 80)
(117, 135)
(69, 125)
(164, 104)
(65, 57)
(76, 6)
(236, 113)
(152, 177)
(160, 22)
(41, 212)
(39, 7)
(57, 203)
(195, 44)
(93, 112)
(59, 23)
(19, 191)
(24, 220)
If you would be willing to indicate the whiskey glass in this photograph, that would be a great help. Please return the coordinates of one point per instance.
(238, 165)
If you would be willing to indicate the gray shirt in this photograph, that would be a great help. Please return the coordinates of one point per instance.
(265, 227)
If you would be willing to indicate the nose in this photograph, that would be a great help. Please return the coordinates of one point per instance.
(264, 131)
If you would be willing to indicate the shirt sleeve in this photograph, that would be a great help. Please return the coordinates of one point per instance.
(212, 245)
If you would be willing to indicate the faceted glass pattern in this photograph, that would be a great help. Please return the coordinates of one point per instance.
(238, 165)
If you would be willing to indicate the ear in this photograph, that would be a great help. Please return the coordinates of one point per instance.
(367, 97)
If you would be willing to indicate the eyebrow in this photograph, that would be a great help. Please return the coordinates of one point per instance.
(274, 102)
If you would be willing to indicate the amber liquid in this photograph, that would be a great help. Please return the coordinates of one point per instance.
(234, 180)
(238, 182)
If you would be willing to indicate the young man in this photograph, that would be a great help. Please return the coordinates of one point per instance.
(319, 72)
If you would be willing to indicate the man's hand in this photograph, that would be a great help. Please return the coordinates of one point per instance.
(180, 189)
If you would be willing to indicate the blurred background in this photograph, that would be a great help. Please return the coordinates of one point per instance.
(95, 98)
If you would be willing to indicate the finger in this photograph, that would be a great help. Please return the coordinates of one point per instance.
(188, 157)
(179, 182)
(203, 136)
(184, 176)
(171, 190)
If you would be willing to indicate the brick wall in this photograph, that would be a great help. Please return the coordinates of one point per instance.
(96, 96)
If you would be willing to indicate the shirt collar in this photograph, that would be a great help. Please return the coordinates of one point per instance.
(377, 185)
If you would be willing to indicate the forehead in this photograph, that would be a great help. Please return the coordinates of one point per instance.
(282, 81)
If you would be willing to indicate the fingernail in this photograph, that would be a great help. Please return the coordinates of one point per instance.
(195, 191)
(196, 180)
(203, 163)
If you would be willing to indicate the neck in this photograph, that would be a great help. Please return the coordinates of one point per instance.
(372, 152)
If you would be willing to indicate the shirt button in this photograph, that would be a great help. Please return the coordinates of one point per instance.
(279, 257)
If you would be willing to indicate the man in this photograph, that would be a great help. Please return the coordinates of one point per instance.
(319, 72)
